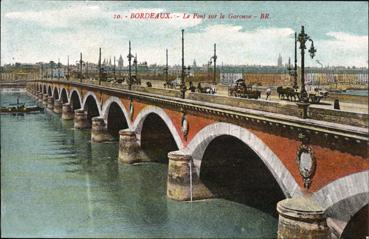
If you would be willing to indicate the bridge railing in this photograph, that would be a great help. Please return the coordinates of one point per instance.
(321, 114)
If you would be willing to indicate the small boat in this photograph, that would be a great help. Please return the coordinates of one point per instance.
(20, 108)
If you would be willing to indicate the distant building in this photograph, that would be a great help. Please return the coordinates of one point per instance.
(280, 64)
(120, 63)
(229, 78)
(58, 72)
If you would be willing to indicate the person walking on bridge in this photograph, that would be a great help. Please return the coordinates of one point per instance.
(268, 93)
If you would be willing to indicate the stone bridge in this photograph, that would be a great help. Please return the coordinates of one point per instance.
(188, 134)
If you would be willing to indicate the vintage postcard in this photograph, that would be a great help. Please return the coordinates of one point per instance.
(184, 119)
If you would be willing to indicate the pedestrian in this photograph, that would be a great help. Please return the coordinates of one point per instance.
(268, 93)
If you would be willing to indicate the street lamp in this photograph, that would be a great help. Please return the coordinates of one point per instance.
(100, 72)
(135, 64)
(58, 68)
(214, 57)
(129, 67)
(303, 38)
(184, 69)
(166, 66)
(115, 77)
(80, 67)
(68, 69)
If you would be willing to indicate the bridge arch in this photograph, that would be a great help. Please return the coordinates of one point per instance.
(156, 134)
(344, 197)
(201, 141)
(145, 112)
(49, 90)
(63, 95)
(92, 105)
(115, 115)
(75, 99)
(56, 93)
(44, 90)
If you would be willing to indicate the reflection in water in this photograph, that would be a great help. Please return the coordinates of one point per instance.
(56, 183)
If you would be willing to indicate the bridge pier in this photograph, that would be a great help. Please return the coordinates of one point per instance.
(39, 96)
(99, 131)
(57, 106)
(303, 109)
(80, 119)
(44, 99)
(67, 113)
(183, 182)
(128, 146)
(50, 103)
(301, 218)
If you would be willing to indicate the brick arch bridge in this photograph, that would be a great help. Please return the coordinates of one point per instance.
(339, 186)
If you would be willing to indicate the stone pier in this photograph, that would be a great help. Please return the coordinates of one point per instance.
(44, 99)
(301, 218)
(99, 131)
(58, 106)
(183, 182)
(128, 147)
(67, 112)
(39, 96)
(80, 119)
(50, 103)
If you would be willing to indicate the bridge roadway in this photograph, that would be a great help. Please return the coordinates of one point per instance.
(339, 185)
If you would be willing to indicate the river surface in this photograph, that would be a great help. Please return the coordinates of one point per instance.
(56, 183)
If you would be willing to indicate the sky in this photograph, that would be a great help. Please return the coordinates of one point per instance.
(33, 31)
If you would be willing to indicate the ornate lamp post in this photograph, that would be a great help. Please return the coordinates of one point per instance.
(129, 56)
(214, 57)
(166, 66)
(100, 72)
(67, 76)
(80, 68)
(303, 38)
(135, 64)
(184, 69)
(115, 77)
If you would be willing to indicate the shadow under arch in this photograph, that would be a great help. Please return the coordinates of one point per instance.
(344, 199)
(115, 115)
(197, 146)
(358, 226)
(91, 105)
(156, 139)
(145, 112)
(49, 90)
(233, 171)
(64, 96)
(56, 93)
(75, 100)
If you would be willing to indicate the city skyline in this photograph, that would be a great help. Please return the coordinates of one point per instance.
(34, 31)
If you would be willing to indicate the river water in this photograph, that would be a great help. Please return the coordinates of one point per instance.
(56, 183)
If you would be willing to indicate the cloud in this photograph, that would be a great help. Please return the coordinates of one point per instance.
(343, 49)
(66, 34)
(74, 15)
(71, 15)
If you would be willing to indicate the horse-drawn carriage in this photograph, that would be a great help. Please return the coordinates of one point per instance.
(240, 89)
(207, 88)
(174, 84)
(291, 94)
